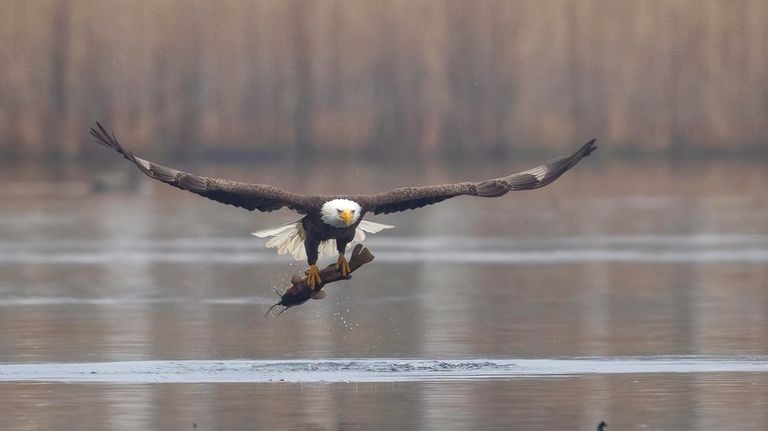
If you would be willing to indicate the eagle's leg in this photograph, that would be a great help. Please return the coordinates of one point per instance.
(313, 274)
(341, 265)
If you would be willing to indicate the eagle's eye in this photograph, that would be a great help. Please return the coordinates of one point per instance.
(352, 211)
(338, 211)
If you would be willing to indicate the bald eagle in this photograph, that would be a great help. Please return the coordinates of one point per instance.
(334, 221)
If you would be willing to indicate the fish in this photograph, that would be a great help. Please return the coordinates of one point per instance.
(299, 291)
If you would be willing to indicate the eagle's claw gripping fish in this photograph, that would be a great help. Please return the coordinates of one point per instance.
(300, 292)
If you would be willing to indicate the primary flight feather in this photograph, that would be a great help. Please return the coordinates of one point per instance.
(334, 221)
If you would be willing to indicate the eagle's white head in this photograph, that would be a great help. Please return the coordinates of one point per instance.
(340, 212)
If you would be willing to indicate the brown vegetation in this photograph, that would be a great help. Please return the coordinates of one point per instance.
(401, 76)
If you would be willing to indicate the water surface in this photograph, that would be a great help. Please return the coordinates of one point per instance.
(636, 293)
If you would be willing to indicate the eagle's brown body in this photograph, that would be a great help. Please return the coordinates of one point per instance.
(317, 232)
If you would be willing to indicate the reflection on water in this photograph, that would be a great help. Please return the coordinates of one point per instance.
(655, 401)
(612, 260)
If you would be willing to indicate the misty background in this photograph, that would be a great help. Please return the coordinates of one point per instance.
(191, 78)
(653, 248)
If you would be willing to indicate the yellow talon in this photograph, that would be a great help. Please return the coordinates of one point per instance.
(342, 266)
(313, 277)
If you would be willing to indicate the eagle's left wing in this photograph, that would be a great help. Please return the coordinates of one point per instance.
(408, 198)
(259, 197)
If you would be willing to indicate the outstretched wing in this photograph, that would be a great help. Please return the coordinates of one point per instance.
(244, 195)
(408, 198)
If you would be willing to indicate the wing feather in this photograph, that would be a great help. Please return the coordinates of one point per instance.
(408, 198)
(266, 198)
(252, 197)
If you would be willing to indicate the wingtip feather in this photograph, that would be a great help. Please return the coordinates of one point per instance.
(106, 139)
(588, 148)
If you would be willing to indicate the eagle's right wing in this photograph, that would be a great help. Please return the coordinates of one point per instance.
(244, 195)
(408, 198)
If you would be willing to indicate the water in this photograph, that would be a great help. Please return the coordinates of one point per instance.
(365, 370)
(634, 293)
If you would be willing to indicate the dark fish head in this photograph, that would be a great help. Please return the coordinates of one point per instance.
(293, 296)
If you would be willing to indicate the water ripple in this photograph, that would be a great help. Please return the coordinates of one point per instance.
(368, 370)
(541, 251)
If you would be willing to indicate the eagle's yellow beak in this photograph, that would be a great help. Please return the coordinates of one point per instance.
(346, 215)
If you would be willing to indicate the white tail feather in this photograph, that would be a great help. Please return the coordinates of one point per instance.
(327, 248)
(371, 227)
(277, 230)
(289, 238)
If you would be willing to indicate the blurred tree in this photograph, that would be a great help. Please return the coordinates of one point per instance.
(302, 49)
(397, 78)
